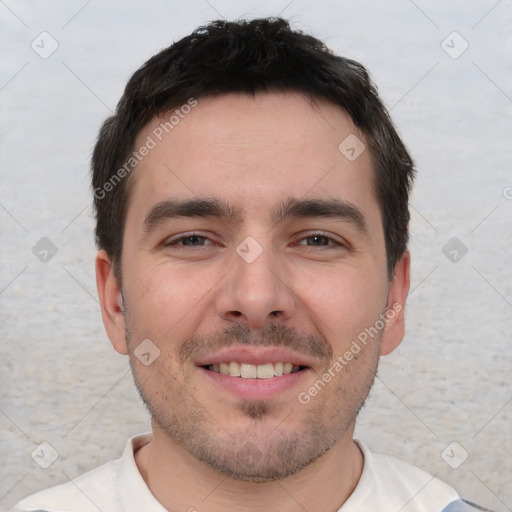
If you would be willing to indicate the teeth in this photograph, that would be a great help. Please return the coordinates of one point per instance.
(265, 371)
(254, 371)
(234, 369)
(248, 371)
(224, 368)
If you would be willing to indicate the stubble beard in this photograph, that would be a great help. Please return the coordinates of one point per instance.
(263, 449)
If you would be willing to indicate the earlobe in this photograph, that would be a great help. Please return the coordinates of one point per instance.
(395, 309)
(111, 300)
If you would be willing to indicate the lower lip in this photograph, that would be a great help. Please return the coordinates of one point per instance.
(255, 389)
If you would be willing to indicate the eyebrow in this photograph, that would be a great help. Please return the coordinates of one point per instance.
(290, 208)
(196, 207)
(327, 208)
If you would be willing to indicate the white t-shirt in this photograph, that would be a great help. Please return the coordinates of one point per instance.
(386, 485)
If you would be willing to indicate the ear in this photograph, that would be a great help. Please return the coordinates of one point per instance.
(395, 307)
(111, 302)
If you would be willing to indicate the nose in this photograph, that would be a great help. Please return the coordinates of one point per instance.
(256, 292)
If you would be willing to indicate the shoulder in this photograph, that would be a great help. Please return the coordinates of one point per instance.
(390, 484)
(91, 491)
(464, 506)
(95, 490)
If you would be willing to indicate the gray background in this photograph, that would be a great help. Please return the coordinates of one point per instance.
(63, 384)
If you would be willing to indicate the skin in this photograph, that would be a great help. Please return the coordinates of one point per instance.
(253, 152)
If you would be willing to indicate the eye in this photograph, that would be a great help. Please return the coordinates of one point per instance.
(190, 240)
(319, 240)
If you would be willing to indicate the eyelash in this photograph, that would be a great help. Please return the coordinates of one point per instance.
(335, 243)
(174, 242)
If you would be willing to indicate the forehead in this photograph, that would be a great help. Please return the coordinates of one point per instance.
(252, 151)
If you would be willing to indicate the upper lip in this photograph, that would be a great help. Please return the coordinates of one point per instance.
(254, 355)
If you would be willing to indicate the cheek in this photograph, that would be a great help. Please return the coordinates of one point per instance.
(165, 298)
(342, 303)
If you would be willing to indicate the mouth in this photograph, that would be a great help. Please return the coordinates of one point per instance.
(254, 371)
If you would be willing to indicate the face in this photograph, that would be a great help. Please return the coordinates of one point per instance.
(253, 257)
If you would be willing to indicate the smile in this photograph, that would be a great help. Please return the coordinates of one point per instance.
(254, 371)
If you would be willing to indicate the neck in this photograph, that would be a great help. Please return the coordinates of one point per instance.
(179, 481)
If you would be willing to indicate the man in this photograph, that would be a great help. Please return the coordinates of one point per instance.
(252, 220)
